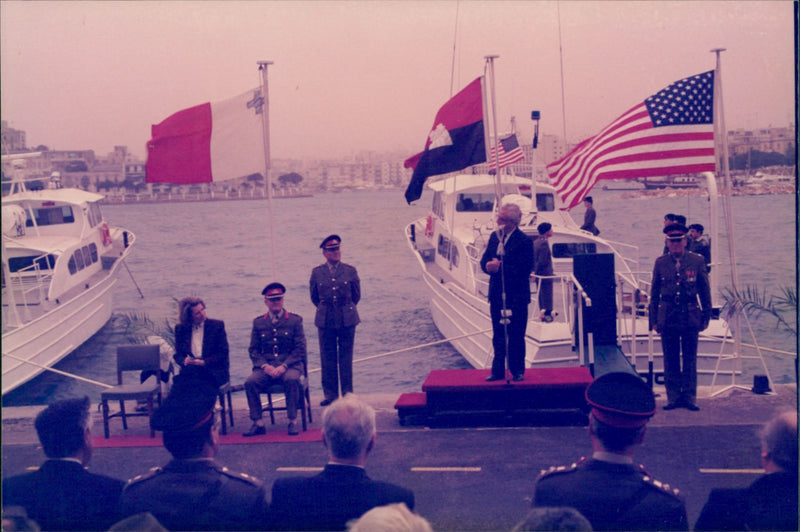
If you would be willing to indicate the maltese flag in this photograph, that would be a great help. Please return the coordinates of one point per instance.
(208, 142)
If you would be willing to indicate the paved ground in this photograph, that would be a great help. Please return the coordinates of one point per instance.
(477, 477)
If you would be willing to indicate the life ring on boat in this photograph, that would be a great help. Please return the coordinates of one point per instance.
(429, 227)
(106, 233)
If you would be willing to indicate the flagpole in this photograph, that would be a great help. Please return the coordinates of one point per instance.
(262, 67)
(489, 76)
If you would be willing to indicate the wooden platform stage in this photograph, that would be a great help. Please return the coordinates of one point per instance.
(453, 395)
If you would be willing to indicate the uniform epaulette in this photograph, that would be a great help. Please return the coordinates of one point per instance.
(240, 476)
(144, 476)
(561, 469)
(661, 486)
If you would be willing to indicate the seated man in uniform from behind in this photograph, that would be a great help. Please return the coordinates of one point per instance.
(62, 494)
(193, 492)
(608, 489)
(769, 503)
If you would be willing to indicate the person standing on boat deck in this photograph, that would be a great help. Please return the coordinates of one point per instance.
(589, 216)
(680, 307)
(699, 243)
(508, 260)
(201, 342)
(62, 494)
(335, 291)
(278, 352)
(609, 489)
(543, 265)
(769, 503)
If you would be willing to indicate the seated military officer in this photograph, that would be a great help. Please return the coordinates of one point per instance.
(193, 492)
(608, 489)
(278, 352)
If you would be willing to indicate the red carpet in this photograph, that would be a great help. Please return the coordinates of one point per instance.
(232, 438)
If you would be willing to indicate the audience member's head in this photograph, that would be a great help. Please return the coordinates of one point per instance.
(187, 416)
(186, 310)
(779, 443)
(512, 212)
(621, 404)
(390, 518)
(144, 522)
(553, 518)
(696, 230)
(64, 429)
(15, 519)
(544, 228)
(348, 428)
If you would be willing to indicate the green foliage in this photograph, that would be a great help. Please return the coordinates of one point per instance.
(138, 326)
(754, 301)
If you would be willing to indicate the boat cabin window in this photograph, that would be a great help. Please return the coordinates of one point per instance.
(475, 203)
(545, 202)
(51, 216)
(45, 262)
(95, 216)
(446, 250)
(565, 250)
(437, 207)
(82, 257)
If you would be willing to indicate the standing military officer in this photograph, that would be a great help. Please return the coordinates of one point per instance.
(278, 352)
(680, 307)
(608, 489)
(335, 291)
(194, 492)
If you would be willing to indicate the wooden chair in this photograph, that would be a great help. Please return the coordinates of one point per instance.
(226, 411)
(133, 358)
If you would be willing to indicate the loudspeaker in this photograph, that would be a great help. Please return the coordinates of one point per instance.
(595, 272)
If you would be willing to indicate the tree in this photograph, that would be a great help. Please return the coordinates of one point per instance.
(754, 301)
(292, 178)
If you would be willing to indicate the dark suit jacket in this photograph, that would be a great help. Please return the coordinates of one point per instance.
(215, 348)
(328, 500)
(63, 495)
(770, 503)
(517, 268)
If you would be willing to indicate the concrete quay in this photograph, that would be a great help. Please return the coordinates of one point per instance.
(469, 475)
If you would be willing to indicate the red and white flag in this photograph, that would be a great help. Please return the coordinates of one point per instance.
(671, 132)
(509, 151)
(208, 142)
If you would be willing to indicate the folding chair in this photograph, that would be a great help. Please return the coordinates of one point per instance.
(133, 358)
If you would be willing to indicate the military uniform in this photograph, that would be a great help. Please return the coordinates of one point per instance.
(680, 307)
(279, 342)
(612, 496)
(335, 291)
(198, 494)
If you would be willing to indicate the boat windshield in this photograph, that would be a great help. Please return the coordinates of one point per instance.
(475, 202)
(545, 202)
(51, 216)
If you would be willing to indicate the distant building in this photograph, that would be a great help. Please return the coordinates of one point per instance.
(774, 139)
(13, 139)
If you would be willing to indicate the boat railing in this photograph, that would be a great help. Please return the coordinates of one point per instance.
(30, 284)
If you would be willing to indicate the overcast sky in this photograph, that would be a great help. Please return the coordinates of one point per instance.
(352, 76)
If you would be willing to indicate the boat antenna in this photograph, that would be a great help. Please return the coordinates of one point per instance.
(453, 65)
(262, 67)
(561, 64)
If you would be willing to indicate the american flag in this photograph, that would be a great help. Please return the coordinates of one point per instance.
(671, 132)
(509, 150)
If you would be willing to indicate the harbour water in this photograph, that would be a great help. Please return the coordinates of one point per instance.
(221, 251)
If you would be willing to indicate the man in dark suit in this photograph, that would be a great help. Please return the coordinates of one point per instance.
(508, 260)
(335, 291)
(62, 494)
(193, 491)
(608, 489)
(200, 341)
(343, 491)
(769, 503)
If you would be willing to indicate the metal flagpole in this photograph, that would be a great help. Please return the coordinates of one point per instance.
(719, 121)
(262, 67)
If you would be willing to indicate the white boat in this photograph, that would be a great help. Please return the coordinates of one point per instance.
(60, 262)
(450, 241)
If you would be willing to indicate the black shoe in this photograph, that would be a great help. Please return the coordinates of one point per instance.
(518, 378)
(255, 430)
(325, 402)
(691, 406)
(492, 378)
(671, 406)
(293, 430)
